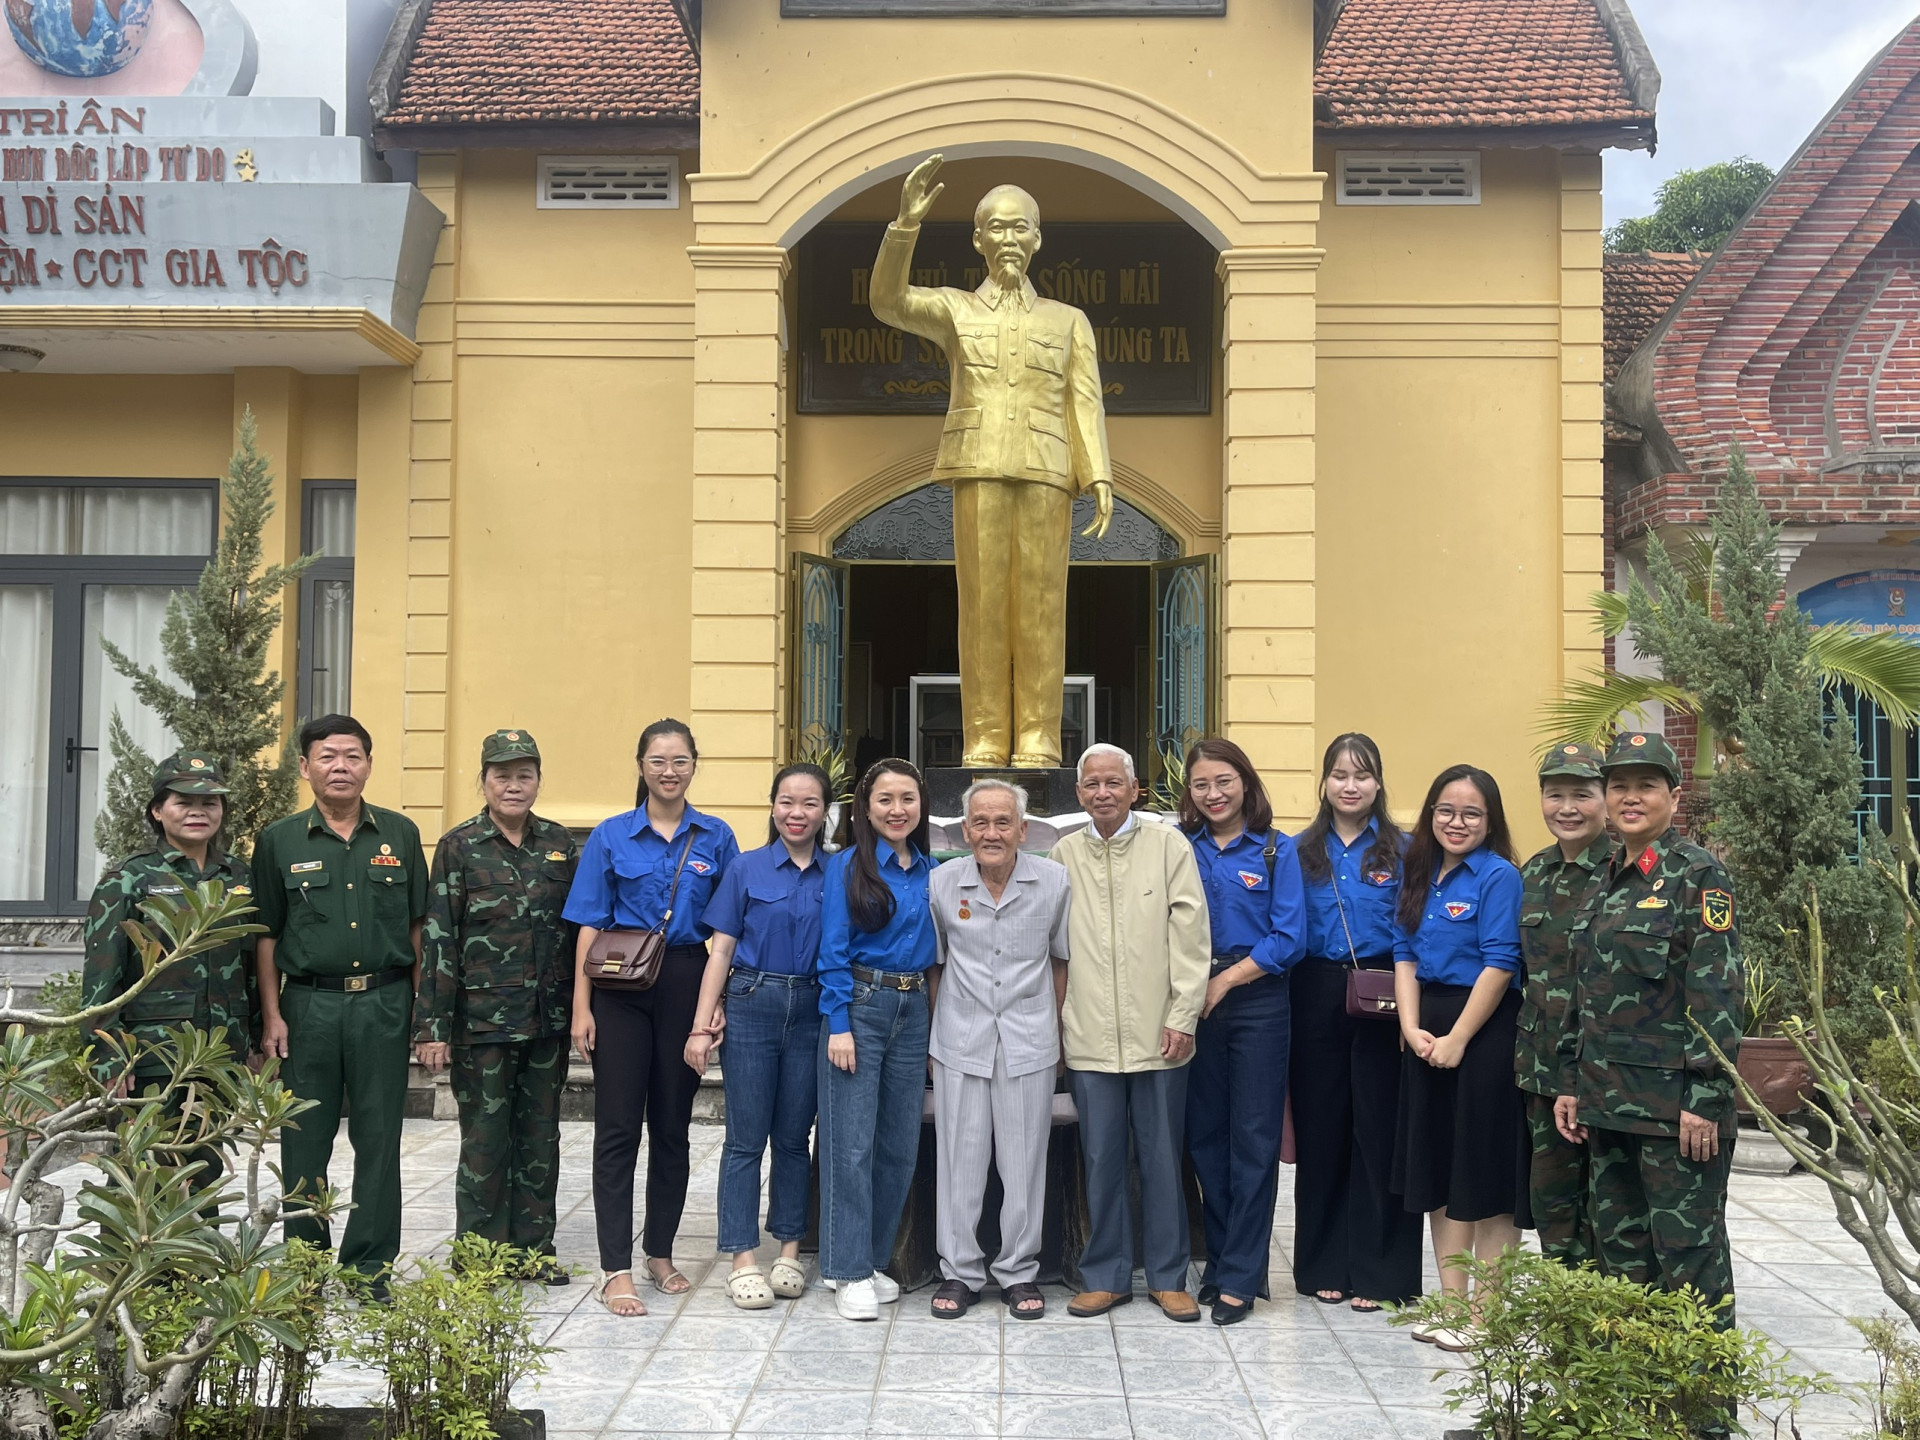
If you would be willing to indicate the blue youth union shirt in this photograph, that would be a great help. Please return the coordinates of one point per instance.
(771, 907)
(903, 945)
(1471, 921)
(626, 872)
(1369, 893)
(1252, 915)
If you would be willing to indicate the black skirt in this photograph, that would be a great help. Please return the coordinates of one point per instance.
(1460, 1140)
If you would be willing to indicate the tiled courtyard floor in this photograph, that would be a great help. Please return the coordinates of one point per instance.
(1295, 1370)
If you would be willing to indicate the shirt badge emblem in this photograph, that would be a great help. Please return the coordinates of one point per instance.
(385, 859)
(1379, 877)
(965, 913)
(240, 890)
(1652, 902)
(556, 854)
(1458, 908)
(699, 867)
(386, 849)
(304, 866)
(1251, 880)
(1648, 859)
(1716, 910)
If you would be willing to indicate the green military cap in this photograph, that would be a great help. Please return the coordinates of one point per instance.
(1581, 762)
(1640, 747)
(505, 745)
(189, 772)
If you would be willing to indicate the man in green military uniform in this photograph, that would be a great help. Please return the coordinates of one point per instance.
(1656, 951)
(342, 889)
(213, 992)
(1558, 884)
(497, 982)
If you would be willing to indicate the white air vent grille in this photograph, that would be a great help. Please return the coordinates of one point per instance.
(1396, 177)
(609, 182)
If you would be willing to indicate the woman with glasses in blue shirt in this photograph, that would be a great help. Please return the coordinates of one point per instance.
(876, 946)
(765, 918)
(1237, 1084)
(1461, 1149)
(1352, 1235)
(657, 862)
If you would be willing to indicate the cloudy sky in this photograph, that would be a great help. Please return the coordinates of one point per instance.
(1745, 77)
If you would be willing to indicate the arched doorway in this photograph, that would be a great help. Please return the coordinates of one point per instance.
(875, 635)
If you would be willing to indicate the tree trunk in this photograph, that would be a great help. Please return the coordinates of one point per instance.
(154, 1414)
(23, 1416)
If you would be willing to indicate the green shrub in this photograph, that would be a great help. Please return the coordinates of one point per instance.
(1895, 1394)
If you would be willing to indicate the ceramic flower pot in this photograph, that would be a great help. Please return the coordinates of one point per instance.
(84, 39)
(1773, 1067)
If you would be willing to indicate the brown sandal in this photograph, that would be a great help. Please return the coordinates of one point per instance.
(1019, 1295)
(959, 1300)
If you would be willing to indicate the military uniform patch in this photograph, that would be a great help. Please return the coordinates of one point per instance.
(384, 859)
(556, 855)
(1648, 859)
(1652, 902)
(305, 865)
(1716, 910)
(1249, 879)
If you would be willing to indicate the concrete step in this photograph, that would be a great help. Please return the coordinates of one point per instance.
(430, 1097)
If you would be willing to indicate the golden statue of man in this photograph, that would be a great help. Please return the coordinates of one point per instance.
(1025, 432)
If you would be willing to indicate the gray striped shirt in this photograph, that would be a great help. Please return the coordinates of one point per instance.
(996, 978)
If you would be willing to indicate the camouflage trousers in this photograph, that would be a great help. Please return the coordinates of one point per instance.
(1659, 1218)
(1557, 1187)
(509, 1098)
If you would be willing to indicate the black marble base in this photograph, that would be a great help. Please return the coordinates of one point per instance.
(1049, 792)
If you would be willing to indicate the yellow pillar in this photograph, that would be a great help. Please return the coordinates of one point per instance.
(380, 571)
(737, 590)
(276, 396)
(429, 527)
(1582, 414)
(1267, 552)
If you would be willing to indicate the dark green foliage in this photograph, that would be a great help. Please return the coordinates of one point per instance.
(216, 639)
(1695, 209)
(1780, 806)
(1568, 1354)
(1895, 1395)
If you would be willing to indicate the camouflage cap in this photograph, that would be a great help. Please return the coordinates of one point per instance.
(1640, 747)
(190, 772)
(504, 745)
(1580, 762)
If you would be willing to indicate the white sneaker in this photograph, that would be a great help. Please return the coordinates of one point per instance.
(886, 1289)
(856, 1300)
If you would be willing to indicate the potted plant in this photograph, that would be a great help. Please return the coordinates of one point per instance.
(818, 748)
(1769, 1063)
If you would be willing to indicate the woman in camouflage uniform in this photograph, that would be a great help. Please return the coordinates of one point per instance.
(496, 997)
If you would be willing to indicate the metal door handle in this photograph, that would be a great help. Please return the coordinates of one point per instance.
(74, 747)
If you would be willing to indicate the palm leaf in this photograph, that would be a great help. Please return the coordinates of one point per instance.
(1610, 611)
(1880, 665)
(1588, 712)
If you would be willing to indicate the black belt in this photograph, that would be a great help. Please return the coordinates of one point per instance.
(352, 984)
(891, 979)
(777, 977)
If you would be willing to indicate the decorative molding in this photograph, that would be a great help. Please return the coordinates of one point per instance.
(1636, 58)
(919, 526)
(1269, 257)
(586, 329)
(362, 323)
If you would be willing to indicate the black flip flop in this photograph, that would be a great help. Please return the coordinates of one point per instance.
(963, 1300)
(1339, 1298)
(1015, 1295)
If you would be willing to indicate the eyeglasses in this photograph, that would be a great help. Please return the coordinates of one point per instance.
(679, 765)
(1446, 815)
(1215, 787)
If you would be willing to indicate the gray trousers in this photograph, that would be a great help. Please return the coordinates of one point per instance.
(976, 1121)
(1151, 1107)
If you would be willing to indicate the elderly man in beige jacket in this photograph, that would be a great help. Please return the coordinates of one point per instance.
(1139, 945)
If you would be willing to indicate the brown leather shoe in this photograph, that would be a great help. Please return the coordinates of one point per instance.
(1176, 1305)
(1099, 1302)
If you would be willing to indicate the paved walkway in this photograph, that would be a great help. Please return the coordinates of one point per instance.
(1294, 1370)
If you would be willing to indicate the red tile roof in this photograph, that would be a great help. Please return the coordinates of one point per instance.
(1637, 291)
(1453, 64)
(546, 62)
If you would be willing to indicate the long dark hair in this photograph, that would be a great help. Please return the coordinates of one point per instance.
(869, 901)
(1424, 852)
(1359, 751)
(653, 732)
(800, 769)
(1256, 811)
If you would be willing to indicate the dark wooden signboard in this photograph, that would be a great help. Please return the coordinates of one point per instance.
(1147, 288)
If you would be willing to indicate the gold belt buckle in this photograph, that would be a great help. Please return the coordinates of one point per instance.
(356, 983)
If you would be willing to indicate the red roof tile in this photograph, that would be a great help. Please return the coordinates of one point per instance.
(1450, 64)
(1637, 291)
(544, 62)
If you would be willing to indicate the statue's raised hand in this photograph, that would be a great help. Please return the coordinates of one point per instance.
(919, 193)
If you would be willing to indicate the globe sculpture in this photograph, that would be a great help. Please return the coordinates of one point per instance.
(84, 39)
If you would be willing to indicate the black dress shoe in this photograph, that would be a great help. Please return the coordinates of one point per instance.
(1208, 1294)
(1225, 1314)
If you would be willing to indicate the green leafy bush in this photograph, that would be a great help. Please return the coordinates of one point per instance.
(1895, 1393)
(1569, 1354)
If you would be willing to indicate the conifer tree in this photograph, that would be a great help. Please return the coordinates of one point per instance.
(227, 703)
(1779, 805)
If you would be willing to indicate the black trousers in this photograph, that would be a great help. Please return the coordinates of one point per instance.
(640, 1075)
(1350, 1232)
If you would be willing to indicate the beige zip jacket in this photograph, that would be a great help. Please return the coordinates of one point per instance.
(1140, 945)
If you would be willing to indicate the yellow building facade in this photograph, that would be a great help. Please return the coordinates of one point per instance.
(586, 469)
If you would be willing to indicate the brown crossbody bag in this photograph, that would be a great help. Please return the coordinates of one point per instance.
(631, 959)
(1370, 993)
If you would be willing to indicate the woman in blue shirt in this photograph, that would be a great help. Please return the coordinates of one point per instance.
(1461, 1149)
(1352, 1236)
(636, 1039)
(765, 919)
(1237, 1084)
(876, 944)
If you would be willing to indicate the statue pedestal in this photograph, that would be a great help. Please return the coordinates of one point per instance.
(1049, 792)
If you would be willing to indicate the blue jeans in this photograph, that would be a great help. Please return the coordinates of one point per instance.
(870, 1129)
(1236, 1104)
(767, 1061)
